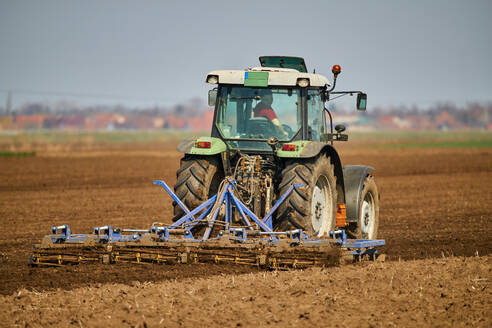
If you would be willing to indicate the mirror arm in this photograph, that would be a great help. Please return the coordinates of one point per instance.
(346, 92)
(333, 86)
(342, 93)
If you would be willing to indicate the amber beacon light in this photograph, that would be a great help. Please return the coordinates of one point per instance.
(336, 69)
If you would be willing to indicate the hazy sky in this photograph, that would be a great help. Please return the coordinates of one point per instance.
(159, 52)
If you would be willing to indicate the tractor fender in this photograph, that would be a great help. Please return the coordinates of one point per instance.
(217, 146)
(354, 176)
(313, 148)
(303, 149)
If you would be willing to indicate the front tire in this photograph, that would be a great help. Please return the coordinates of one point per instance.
(197, 180)
(311, 207)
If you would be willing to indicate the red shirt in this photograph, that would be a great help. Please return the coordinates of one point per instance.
(262, 110)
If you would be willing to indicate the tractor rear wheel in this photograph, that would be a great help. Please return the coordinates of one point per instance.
(367, 226)
(311, 207)
(197, 180)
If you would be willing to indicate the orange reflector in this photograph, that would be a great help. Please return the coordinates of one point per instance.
(203, 144)
(341, 215)
(289, 147)
(336, 69)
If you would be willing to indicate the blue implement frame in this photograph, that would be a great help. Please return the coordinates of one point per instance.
(219, 215)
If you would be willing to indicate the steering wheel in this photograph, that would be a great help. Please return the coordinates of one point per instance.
(260, 127)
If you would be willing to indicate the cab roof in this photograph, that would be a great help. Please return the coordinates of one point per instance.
(273, 76)
(274, 71)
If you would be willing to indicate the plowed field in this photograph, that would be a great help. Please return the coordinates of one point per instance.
(436, 216)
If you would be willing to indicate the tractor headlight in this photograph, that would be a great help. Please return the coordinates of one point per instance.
(303, 83)
(212, 79)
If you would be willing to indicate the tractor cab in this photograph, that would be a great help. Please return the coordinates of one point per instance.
(278, 100)
(260, 113)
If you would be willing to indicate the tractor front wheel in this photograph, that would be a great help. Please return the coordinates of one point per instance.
(197, 180)
(311, 207)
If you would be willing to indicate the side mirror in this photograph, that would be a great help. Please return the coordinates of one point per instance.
(361, 101)
(340, 128)
(212, 97)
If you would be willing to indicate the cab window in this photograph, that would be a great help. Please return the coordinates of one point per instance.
(315, 107)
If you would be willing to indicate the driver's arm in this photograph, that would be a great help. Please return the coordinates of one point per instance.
(277, 123)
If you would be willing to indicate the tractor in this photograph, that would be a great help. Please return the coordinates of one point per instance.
(267, 188)
(271, 130)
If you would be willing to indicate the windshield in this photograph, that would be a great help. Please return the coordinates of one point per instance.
(258, 113)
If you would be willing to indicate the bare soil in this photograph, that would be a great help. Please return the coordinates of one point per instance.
(452, 292)
(436, 216)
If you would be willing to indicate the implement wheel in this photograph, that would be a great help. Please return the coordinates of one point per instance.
(313, 206)
(197, 180)
(367, 226)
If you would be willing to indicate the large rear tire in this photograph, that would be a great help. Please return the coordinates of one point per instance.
(197, 180)
(313, 206)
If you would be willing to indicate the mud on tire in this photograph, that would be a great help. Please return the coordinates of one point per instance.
(297, 211)
(197, 179)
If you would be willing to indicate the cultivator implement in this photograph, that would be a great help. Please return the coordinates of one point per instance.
(221, 230)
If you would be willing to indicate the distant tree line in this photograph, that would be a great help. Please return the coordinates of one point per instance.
(190, 108)
(473, 114)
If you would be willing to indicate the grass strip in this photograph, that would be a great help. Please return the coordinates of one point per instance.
(17, 154)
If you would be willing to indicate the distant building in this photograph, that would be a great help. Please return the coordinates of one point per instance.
(72, 123)
(104, 121)
(27, 122)
(174, 122)
(202, 123)
(445, 121)
(391, 122)
(419, 122)
(7, 122)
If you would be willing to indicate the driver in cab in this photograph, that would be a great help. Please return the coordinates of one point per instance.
(264, 109)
